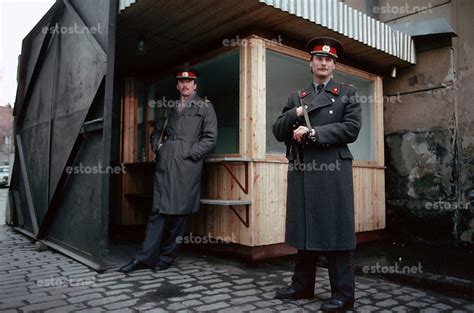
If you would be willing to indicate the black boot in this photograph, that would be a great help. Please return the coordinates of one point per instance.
(134, 265)
(337, 305)
(161, 266)
(291, 294)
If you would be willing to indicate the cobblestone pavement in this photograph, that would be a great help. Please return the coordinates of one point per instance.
(49, 281)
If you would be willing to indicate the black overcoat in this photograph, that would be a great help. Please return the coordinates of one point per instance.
(320, 200)
(190, 135)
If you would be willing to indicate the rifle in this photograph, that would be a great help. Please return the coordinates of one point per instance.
(294, 150)
(156, 146)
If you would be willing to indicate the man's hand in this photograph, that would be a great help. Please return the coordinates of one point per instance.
(299, 133)
(299, 111)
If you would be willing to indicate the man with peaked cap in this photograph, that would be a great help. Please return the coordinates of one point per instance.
(188, 135)
(316, 124)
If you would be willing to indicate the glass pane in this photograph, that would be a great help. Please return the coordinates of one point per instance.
(219, 82)
(285, 74)
(364, 147)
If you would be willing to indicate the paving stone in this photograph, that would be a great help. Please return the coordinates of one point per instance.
(212, 307)
(217, 291)
(417, 304)
(107, 300)
(386, 303)
(120, 286)
(10, 305)
(211, 281)
(215, 298)
(247, 286)
(381, 295)
(406, 298)
(429, 310)
(243, 281)
(136, 278)
(85, 291)
(220, 285)
(84, 298)
(192, 302)
(151, 286)
(244, 300)
(194, 289)
(91, 310)
(246, 292)
(43, 306)
(117, 292)
(268, 303)
(67, 308)
(368, 308)
(242, 308)
(121, 304)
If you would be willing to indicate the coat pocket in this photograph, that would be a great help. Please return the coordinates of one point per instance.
(346, 154)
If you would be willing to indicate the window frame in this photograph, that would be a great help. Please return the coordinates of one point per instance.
(378, 110)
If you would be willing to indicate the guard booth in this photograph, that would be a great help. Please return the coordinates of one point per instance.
(86, 104)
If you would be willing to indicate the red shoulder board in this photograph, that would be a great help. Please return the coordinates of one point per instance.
(303, 94)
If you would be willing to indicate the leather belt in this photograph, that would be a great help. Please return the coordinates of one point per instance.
(182, 138)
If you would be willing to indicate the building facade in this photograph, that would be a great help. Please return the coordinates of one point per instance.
(6, 132)
(428, 114)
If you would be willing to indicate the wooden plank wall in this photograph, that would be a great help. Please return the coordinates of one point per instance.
(129, 121)
(220, 221)
(269, 208)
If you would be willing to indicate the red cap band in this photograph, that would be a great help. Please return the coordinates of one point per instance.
(186, 75)
(324, 49)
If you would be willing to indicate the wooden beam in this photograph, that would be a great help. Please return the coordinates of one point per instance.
(253, 102)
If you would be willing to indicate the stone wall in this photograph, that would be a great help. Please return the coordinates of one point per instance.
(429, 133)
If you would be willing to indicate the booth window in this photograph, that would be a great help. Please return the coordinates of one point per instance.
(219, 82)
(364, 147)
(285, 74)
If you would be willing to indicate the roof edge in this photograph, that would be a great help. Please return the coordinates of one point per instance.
(351, 23)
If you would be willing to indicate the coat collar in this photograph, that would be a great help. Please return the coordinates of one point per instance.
(190, 103)
(332, 87)
(324, 98)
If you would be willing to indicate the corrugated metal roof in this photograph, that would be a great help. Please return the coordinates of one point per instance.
(351, 23)
(123, 4)
(341, 18)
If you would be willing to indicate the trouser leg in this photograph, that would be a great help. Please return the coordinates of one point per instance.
(169, 244)
(153, 236)
(341, 274)
(305, 271)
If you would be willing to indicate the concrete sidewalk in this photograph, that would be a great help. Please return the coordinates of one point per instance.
(49, 281)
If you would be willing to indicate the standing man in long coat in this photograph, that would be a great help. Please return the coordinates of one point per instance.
(189, 134)
(320, 205)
